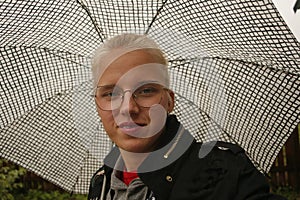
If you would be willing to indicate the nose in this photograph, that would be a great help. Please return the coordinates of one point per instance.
(128, 105)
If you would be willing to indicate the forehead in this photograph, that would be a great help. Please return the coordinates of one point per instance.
(134, 67)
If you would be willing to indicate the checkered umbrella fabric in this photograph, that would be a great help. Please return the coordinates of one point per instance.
(234, 67)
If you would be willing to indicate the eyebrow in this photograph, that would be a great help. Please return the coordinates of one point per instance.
(98, 86)
(147, 81)
(140, 83)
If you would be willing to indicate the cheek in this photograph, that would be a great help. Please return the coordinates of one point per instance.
(106, 117)
(165, 102)
(108, 123)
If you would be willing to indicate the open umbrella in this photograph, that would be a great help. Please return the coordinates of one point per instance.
(234, 67)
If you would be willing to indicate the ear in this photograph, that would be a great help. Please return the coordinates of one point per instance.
(171, 101)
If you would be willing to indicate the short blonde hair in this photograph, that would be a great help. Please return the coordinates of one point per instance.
(128, 42)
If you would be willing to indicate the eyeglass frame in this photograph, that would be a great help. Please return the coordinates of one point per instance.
(133, 95)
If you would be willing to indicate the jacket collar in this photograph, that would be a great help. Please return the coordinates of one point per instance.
(160, 168)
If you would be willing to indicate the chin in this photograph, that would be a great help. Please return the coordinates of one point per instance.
(135, 147)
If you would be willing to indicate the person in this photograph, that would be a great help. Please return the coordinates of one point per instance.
(154, 156)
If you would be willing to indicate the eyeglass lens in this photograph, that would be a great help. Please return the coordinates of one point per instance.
(111, 97)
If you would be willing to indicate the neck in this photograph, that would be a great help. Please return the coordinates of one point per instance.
(132, 160)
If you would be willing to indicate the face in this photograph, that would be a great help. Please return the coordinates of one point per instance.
(130, 126)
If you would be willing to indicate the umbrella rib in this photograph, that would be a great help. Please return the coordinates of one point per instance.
(50, 51)
(97, 27)
(156, 15)
(260, 65)
(236, 60)
(68, 59)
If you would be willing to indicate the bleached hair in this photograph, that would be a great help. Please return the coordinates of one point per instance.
(126, 41)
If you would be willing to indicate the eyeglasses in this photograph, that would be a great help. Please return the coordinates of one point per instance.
(110, 97)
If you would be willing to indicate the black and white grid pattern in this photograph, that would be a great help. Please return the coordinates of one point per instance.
(234, 67)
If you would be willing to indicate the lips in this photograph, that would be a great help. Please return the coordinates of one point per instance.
(130, 128)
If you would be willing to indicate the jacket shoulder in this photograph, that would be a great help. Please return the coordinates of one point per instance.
(217, 146)
(223, 171)
(234, 148)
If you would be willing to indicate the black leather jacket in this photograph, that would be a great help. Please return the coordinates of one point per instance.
(183, 169)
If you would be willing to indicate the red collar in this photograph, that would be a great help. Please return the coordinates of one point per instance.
(129, 176)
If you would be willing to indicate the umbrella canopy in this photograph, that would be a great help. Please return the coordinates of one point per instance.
(234, 67)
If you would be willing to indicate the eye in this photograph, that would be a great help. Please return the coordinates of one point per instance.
(109, 93)
(113, 94)
(147, 90)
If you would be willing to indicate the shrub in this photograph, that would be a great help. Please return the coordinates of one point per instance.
(12, 187)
